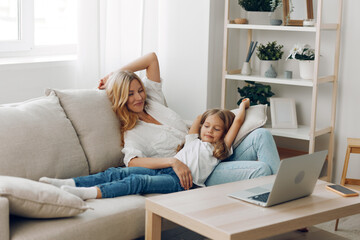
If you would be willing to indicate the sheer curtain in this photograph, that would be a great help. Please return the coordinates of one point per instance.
(110, 35)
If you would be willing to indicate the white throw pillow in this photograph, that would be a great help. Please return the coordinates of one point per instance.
(28, 198)
(255, 117)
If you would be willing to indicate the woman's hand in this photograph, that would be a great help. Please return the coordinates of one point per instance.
(103, 81)
(183, 172)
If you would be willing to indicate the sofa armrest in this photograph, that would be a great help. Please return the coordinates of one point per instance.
(4, 219)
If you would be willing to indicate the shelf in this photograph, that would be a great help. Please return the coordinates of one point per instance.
(302, 132)
(302, 33)
(288, 153)
(327, 26)
(285, 81)
(330, 26)
(326, 79)
(271, 27)
(296, 82)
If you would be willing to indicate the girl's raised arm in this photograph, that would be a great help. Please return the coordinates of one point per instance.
(195, 127)
(236, 125)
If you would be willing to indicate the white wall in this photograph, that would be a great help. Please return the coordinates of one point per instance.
(183, 54)
(190, 54)
(348, 111)
(24, 81)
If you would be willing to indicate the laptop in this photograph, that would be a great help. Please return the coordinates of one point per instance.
(296, 178)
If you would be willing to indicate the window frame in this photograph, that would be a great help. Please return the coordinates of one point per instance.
(26, 29)
(25, 49)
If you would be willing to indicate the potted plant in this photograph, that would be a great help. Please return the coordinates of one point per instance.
(258, 11)
(306, 56)
(269, 55)
(257, 93)
(259, 5)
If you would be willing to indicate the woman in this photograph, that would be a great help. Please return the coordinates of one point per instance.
(151, 132)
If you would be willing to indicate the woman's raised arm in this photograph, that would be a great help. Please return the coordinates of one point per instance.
(149, 62)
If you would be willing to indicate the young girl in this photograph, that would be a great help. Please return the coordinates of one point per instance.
(217, 130)
(209, 141)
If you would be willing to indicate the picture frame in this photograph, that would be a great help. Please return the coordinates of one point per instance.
(297, 22)
(283, 113)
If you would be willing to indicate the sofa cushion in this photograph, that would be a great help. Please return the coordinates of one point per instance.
(112, 218)
(255, 117)
(37, 139)
(33, 199)
(96, 124)
(4, 218)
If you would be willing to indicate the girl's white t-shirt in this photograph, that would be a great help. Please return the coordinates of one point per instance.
(198, 156)
(151, 140)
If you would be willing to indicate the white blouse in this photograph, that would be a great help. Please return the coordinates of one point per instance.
(198, 156)
(152, 140)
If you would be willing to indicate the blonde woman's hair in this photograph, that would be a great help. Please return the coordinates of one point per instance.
(117, 89)
(221, 151)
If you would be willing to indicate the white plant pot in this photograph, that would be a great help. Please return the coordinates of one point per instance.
(258, 18)
(265, 65)
(306, 69)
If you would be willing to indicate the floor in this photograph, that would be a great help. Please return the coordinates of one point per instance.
(313, 234)
(349, 228)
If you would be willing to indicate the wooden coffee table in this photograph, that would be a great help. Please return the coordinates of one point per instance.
(211, 213)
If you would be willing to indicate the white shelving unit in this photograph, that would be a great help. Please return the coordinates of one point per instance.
(304, 132)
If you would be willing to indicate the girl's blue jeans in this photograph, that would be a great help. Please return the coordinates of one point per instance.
(256, 156)
(115, 182)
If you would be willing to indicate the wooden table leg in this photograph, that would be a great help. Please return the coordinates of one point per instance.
(152, 226)
(336, 224)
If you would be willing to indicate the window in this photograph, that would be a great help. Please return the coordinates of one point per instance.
(30, 25)
(55, 22)
(16, 25)
(9, 21)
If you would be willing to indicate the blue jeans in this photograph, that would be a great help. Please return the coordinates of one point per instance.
(115, 182)
(256, 156)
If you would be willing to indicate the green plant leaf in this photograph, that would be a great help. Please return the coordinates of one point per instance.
(256, 92)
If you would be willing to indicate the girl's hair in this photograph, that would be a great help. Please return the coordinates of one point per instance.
(117, 89)
(221, 151)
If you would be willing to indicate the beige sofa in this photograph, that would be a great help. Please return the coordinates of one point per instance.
(64, 134)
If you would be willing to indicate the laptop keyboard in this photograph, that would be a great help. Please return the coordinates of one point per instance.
(261, 197)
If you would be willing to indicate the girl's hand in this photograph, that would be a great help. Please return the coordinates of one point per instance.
(103, 81)
(183, 173)
(245, 103)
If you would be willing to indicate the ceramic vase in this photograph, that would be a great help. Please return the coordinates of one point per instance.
(246, 69)
(265, 65)
(258, 18)
(306, 69)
